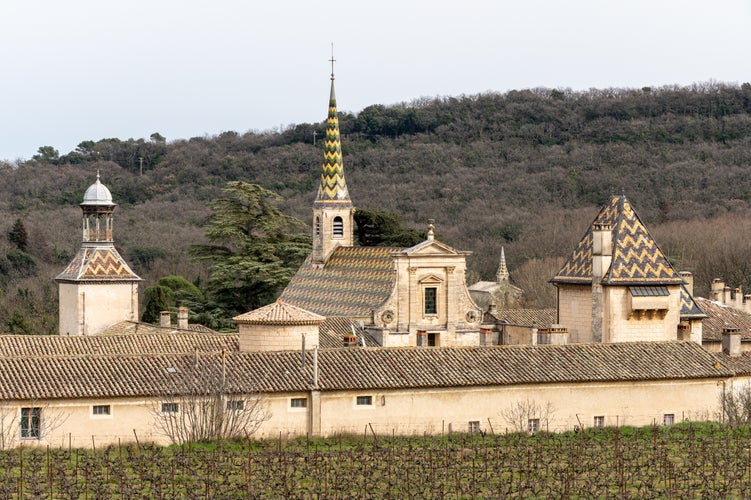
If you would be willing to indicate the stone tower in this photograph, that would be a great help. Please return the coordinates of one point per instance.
(98, 288)
(333, 214)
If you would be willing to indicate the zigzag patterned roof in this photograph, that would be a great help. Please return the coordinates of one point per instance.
(637, 259)
(97, 263)
(333, 188)
(689, 308)
(353, 281)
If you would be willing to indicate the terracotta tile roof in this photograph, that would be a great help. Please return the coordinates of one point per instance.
(740, 365)
(135, 327)
(279, 313)
(689, 308)
(720, 316)
(541, 318)
(637, 259)
(25, 346)
(353, 281)
(332, 332)
(107, 376)
(97, 263)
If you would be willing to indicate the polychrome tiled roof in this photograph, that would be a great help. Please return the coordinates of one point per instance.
(353, 281)
(637, 259)
(113, 376)
(333, 187)
(689, 308)
(279, 313)
(97, 263)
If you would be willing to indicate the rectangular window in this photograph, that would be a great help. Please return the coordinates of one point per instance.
(364, 400)
(298, 402)
(430, 300)
(668, 419)
(533, 425)
(170, 407)
(236, 404)
(101, 410)
(474, 426)
(31, 423)
(600, 421)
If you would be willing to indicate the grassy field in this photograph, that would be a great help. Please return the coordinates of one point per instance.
(687, 460)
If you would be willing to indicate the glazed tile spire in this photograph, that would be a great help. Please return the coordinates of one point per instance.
(333, 188)
(502, 274)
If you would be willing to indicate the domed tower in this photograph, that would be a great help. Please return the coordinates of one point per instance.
(98, 288)
(333, 213)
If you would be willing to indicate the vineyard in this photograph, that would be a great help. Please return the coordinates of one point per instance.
(682, 461)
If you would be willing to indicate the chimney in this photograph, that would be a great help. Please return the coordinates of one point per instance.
(738, 298)
(689, 279)
(717, 287)
(602, 249)
(684, 330)
(164, 318)
(493, 309)
(602, 256)
(182, 318)
(555, 335)
(731, 341)
(747, 303)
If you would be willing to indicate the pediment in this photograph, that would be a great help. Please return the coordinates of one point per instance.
(431, 279)
(431, 247)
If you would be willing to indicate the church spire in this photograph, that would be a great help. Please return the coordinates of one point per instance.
(502, 274)
(333, 213)
(333, 188)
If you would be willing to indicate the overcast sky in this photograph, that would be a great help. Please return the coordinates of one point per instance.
(80, 70)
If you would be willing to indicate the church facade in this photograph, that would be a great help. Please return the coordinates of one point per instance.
(402, 296)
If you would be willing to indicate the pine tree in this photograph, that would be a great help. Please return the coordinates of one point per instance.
(18, 235)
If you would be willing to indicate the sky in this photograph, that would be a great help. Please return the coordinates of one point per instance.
(79, 70)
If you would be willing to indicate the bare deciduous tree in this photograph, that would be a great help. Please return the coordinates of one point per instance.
(519, 415)
(736, 405)
(197, 406)
(48, 419)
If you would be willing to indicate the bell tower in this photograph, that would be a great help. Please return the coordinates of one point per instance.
(333, 213)
(98, 288)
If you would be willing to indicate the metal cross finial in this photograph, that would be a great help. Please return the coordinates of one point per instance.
(332, 60)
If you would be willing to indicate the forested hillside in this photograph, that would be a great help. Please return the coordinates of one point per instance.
(525, 169)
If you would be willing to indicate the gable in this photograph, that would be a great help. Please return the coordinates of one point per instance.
(431, 247)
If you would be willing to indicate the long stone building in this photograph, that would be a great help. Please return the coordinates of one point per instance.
(378, 339)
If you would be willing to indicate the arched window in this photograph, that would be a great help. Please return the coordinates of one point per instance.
(338, 227)
(318, 227)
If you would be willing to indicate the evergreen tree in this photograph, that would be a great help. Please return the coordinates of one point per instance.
(256, 248)
(18, 235)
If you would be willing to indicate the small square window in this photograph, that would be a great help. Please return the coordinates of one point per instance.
(236, 404)
(170, 408)
(533, 425)
(298, 402)
(668, 419)
(364, 400)
(600, 421)
(474, 426)
(101, 410)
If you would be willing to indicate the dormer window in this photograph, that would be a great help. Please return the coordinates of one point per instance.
(338, 227)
